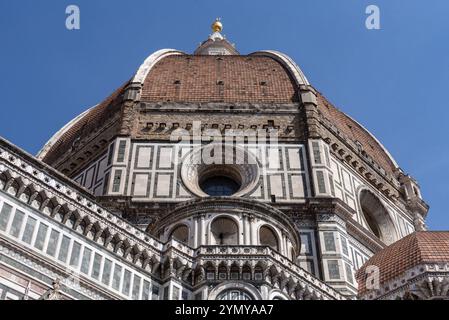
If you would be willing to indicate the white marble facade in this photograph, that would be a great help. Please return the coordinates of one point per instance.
(335, 179)
(151, 171)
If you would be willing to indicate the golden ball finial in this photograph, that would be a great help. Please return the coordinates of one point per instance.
(217, 26)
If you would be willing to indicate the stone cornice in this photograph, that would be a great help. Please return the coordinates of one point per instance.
(266, 256)
(220, 107)
(346, 151)
(92, 145)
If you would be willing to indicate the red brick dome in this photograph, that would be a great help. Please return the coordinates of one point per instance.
(230, 78)
(170, 76)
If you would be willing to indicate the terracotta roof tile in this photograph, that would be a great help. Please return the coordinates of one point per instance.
(86, 124)
(352, 130)
(412, 250)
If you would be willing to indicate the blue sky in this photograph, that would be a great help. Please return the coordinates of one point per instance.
(394, 81)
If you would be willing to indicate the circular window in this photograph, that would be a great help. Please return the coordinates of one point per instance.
(219, 186)
(236, 174)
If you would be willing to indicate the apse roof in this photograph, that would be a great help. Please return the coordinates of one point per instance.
(422, 247)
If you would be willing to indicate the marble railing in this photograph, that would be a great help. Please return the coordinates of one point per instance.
(269, 257)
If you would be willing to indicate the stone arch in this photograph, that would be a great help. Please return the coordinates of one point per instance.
(376, 217)
(199, 274)
(13, 187)
(50, 206)
(223, 271)
(260, 270)
(61, 212)
(83, 224)
(277, 294)
(234, 271)
(239, 286)
(246, 271)
(37, 200)
(210, 270)
(293, 253)
(25, 195)
(71, 220)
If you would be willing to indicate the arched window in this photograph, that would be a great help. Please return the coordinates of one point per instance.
(210, 272)
(181, 233)
(234, 295)
(258, 273)
(235, 272)
(222, 272)
(268, 238)
(376, 217)
(246, 272)
(224, 231)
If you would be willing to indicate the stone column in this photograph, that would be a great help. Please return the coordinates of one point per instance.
(246, 231)
(284, 249)
(202, 236)
(195, 232)
(253, 230)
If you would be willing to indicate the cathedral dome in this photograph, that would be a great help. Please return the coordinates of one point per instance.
(216, 73)
(222, 175)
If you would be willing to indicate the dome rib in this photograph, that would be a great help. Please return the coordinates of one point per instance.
(68, 133)
(54, 139)
(287, 62)
(149, 63)
(73, 130)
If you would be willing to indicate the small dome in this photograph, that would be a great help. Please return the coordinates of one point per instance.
(424, 247)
